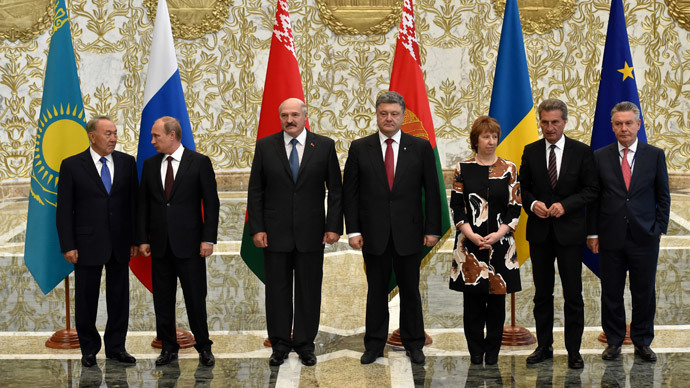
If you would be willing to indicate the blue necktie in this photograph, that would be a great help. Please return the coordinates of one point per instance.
(294, 160)
(105, 174)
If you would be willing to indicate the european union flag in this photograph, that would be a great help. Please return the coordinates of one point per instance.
(61, 133)
(617, 84)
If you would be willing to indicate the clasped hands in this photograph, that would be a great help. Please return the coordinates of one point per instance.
(484, 242)
(555, 210)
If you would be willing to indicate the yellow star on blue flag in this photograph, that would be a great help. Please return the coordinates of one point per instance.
(627, 71)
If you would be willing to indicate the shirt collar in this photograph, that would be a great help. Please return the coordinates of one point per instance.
(633, 147)
(560, 144)
(396, 137)
(301, 138)
(177, 154)
(97, 158)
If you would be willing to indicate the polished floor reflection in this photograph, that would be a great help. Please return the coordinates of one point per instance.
(236, 319)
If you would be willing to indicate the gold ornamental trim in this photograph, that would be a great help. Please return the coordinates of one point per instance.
(367, 17)
(25, 20)
(680, 12)
(192, 19)
(540, 16)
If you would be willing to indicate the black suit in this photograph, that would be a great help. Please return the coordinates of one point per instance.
(100, 227)
(175, 228)
(293, 217)
(629, 224)
(562, 238)
(393, 224)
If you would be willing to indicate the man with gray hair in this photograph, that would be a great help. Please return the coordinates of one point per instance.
(388, 220)
(558, 180)
(625, 225)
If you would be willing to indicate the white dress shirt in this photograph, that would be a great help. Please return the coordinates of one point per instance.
(395, 145)
(632, 151)
(97, 162)
(177, 156)
(301, 139)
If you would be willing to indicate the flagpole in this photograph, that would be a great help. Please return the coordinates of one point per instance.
(515, 335)
(65, 338)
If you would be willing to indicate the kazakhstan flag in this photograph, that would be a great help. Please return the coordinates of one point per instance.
(61, 133)
(512, 105)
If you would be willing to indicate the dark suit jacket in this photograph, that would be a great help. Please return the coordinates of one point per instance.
(374, 210)
(577, 187)
(645, 207)
(292, 214)
(178, 221)
(98, 225)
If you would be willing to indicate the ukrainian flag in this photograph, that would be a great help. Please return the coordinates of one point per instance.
(512, 105)
(61, 133)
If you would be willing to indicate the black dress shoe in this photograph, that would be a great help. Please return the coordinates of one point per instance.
(308, 358)
(122, 357)
(611, 352)
(645, 352)
(88, 360)
(477, 359)
(277, 358)
(416, 356)
(491, 359)
(540, 354)
(575, 361)
(370, 356)
(206, 357)
(166, 358)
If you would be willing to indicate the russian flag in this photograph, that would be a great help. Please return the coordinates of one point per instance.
(163, 96)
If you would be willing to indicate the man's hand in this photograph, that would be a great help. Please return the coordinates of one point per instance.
(540, 209)
(206, 249)
(593, 244)
(145, 249)
(260, 239)
(72, 256)
(356, 242)
(133, 251)
(430, 240)
(555, 210)
(330, 238)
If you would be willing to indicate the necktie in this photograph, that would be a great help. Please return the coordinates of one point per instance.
(625, 169)
(553, 172)
(105, 174)
(390, 163)
(294, 160)
(169, 178)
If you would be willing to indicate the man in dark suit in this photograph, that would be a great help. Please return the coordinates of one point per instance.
(625, 226)
(387, 218)
(287, 187)
(558, 179)
(96, 204)
(178, 225)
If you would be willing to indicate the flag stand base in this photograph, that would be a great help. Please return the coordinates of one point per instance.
(184, 338)
(395, 340)
(517, 336)
(63, 339)
(626, 341)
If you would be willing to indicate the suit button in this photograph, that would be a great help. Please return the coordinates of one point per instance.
(167, 204)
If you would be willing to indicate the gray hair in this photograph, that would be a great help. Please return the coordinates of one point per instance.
(390, 97)
(302, 105)
(551, 104)
(92, 125)
(626, 106)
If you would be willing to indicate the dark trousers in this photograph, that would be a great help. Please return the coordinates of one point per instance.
(569, 258)
(192, 274)
(640, 260)
(87, 285)
(480, 310)
(307, 271)
(379, 269)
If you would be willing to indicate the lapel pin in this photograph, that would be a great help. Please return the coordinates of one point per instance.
(311, 144)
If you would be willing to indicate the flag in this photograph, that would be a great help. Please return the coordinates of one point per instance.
(282, 82)
(408, 80)
(61, 133)
(163, 96)
(512, 105)
(617, 84)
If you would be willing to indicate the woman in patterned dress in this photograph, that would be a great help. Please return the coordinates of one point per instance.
(486, 205)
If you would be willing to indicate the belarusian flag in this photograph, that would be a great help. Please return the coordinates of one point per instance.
(408, 80)
(282, 82)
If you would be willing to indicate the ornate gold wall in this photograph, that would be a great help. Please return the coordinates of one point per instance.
(223, 73)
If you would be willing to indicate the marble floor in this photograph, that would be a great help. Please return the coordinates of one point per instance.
(236, 319)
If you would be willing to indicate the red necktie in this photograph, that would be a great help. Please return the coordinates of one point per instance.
(625, 169)
(169, 178)
(390, 163)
